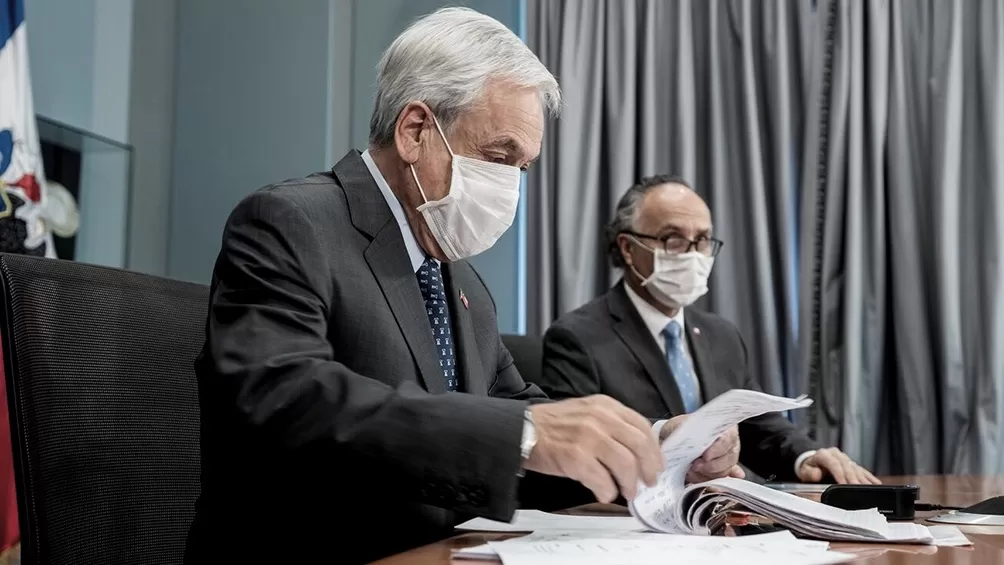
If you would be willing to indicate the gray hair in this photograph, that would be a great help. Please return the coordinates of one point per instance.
(627, 213)
(444, 59)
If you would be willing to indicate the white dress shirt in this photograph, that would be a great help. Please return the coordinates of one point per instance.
(415, 252)
(656, 322)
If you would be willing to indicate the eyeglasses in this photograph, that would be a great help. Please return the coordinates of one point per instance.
(677, 244)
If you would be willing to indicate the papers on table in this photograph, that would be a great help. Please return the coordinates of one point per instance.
(672, 508)
(632, 548)
(803, 516)
(657, 506)
(537, 521)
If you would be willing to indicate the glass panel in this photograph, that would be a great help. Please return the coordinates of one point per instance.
(96, 171)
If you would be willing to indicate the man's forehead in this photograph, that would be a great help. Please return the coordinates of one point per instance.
(674, 204)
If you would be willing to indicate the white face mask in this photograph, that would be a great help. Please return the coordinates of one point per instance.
(678, 279)
(479, 208)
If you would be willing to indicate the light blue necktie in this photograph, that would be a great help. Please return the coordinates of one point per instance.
(680, 368)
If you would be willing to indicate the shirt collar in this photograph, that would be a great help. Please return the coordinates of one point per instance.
(654, 319)
(415, 252)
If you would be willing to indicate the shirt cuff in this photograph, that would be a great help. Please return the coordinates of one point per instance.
(801, 459)
(657, 427)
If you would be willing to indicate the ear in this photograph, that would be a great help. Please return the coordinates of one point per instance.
(624, 243)
(409, 130)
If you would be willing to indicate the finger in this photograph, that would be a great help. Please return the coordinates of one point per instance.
(720, 466)
(641, 445)
(596, 478)
(857, 473)
(723, 445)
(621, 464)
(810, 473)
(695, 477)
(872, 478)
(737, 472)
(849, 467)
(718, 449)
(827, 460)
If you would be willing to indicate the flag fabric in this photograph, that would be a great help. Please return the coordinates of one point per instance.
(22, 180)
(22, 198)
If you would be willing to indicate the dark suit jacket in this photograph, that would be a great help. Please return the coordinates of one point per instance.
(327, 434)
(604, 347)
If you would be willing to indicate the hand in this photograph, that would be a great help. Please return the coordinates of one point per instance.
(670, 427)
(834, 462)
(597, 441)
(720, 460)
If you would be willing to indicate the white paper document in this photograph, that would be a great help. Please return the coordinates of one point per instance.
(593, 548)
(537, 521)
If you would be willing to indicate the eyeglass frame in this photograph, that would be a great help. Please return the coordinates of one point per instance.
(715, 243)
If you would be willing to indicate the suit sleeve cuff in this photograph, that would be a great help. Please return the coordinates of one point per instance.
(801, 459)
(657, 427)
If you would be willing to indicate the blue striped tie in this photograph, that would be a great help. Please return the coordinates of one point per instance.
(680, 368)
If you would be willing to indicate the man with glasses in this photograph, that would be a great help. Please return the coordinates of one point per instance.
(641, 343)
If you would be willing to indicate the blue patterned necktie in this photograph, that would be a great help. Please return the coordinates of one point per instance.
(430, 281)
(680, 367)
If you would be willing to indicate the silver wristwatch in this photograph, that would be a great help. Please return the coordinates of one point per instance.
(529, 435)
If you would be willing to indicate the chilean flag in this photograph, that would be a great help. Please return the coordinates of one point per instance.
(20, 174)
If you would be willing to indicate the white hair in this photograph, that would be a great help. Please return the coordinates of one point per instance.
(445, 59)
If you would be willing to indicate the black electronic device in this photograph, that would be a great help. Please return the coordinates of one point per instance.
(896, 502)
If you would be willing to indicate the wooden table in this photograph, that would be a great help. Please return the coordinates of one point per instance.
(988, 542)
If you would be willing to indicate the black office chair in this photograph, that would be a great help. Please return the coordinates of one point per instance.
(528, 354)
(104, 410)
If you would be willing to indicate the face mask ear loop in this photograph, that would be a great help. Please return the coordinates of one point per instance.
(443, 135)
(644, 281)
(420, 191)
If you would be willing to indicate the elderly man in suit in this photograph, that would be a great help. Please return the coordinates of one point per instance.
(641, 343)
(356, 396)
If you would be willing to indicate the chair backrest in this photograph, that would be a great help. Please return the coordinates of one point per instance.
(528, 354)
(104, 410)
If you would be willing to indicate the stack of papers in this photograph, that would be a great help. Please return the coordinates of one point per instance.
(672, 507)
(634, 548)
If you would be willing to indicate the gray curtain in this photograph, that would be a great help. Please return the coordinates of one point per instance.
(903, 210)
(873, 130)
(709, 90)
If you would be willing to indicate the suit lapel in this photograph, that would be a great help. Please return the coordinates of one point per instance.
(632, 331)
(466, 345)
(700, 351)
(389, 262)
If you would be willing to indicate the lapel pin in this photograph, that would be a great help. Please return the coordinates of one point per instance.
(697, 331)
(463, 299)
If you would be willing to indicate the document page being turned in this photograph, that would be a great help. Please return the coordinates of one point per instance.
(658, 506)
